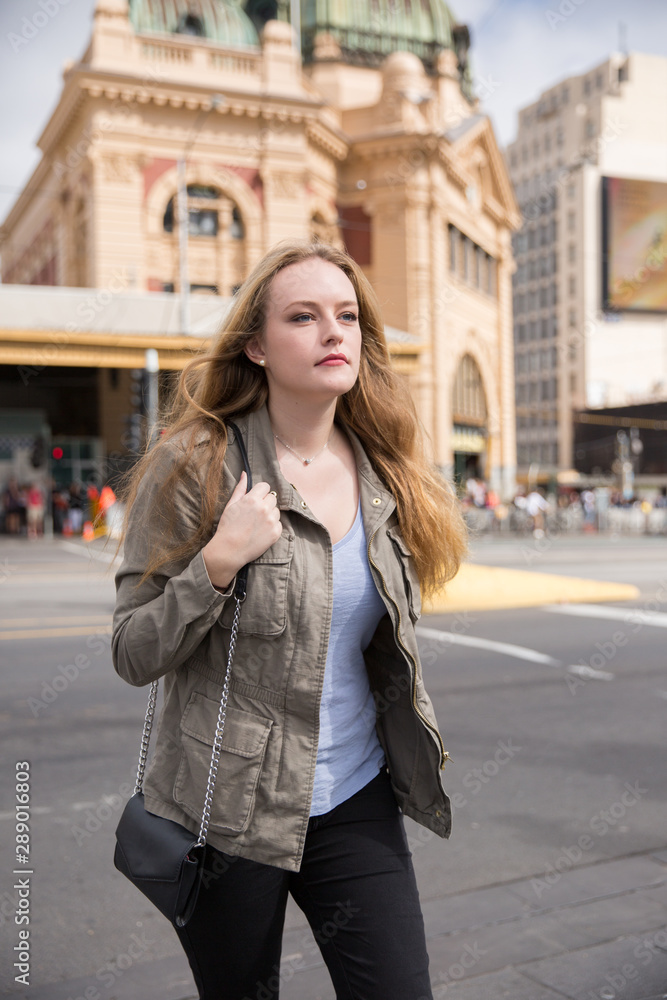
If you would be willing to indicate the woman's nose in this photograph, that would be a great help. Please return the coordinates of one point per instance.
(331, 329)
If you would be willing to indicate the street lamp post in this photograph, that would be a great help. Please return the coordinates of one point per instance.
(152, 365)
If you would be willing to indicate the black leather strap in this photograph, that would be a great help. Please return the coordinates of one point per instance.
(242, 575)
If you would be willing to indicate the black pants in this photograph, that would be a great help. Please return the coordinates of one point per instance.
(357, 888)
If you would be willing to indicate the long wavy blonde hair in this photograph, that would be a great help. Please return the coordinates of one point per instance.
(222, 382)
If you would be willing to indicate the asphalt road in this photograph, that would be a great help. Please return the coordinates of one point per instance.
(555, 722)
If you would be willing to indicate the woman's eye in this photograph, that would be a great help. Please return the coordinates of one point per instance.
(350, 317)
(301, 316)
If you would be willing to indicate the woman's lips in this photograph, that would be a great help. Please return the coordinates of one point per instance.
(336, 359)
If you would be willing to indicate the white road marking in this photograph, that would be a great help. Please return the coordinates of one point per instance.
(581, 670)
(505, 648)
(632, 616)
(517, 652)
(74, 806)
(34, 811)
(88, 553)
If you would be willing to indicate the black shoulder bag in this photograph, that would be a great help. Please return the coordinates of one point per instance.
(162, 858)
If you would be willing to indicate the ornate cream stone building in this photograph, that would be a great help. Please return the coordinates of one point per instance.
(367, 135)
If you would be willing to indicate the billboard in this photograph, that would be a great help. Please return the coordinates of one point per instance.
(634, 215)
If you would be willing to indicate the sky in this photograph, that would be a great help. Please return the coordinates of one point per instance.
(519, 48)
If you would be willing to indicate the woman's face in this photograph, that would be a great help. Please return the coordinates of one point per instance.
(311, 343)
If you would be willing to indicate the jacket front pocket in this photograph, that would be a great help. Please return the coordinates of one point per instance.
(244, 742)
(264, 611)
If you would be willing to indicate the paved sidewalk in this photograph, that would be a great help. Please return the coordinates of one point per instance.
(595, 932)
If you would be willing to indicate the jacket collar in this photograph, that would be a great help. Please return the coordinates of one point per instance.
(377, 502)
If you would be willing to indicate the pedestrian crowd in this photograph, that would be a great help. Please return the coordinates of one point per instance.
(535, 510)
(24, 506)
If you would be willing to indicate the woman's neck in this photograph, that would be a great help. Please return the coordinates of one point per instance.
(306, 429)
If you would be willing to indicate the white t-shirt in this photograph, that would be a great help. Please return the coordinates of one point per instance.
(349, 754)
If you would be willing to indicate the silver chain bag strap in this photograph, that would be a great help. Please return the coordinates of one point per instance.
(162, 858)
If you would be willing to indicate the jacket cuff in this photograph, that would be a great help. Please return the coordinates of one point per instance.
(226, 591)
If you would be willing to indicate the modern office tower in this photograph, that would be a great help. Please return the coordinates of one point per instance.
(589, 166)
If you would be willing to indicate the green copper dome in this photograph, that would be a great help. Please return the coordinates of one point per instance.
(223, 21)
(368, 30)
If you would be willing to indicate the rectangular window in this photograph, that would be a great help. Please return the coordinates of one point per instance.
(490, 275)
(466, 246)
(453, 240)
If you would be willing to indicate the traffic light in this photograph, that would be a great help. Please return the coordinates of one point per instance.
(133, 439)
(138, 390)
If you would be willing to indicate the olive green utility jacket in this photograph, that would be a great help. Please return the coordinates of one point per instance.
(177, 626)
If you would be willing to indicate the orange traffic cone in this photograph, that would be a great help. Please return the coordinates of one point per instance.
(88, 533)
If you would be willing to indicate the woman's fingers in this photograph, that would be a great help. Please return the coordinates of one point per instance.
(239, 489)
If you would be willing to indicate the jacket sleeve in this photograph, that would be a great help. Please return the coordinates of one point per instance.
(158, 625)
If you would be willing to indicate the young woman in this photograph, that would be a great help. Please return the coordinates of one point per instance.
(329, 734)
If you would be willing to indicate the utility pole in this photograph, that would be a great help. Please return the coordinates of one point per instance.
(183, 227)
(184, 217)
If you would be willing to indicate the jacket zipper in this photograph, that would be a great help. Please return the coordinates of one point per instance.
(444, 756)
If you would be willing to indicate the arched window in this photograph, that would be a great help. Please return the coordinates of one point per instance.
(237, 229)
(261, 11)
(190, 24)
(203, 220)
(468, 398)
(203, 217)
(216, 221)
(469, 412)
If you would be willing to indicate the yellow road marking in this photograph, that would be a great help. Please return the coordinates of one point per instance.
(53, 633)
(60, 620)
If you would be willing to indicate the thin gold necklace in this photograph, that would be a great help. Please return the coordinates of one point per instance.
(306, 461)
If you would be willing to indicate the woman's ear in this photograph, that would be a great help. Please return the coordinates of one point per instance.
(255, 353)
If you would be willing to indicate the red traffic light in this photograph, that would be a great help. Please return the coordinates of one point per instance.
(57, 452)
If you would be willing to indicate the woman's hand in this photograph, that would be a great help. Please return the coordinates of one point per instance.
(249, 525)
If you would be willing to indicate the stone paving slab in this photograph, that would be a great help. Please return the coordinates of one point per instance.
(505, 985)
(631, 968)
(549, 935)
(164, 979)
(606, 878)
(472, 909)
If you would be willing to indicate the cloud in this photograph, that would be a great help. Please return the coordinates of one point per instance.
(528, 46)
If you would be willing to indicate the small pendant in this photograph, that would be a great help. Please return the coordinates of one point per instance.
(307, 461)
